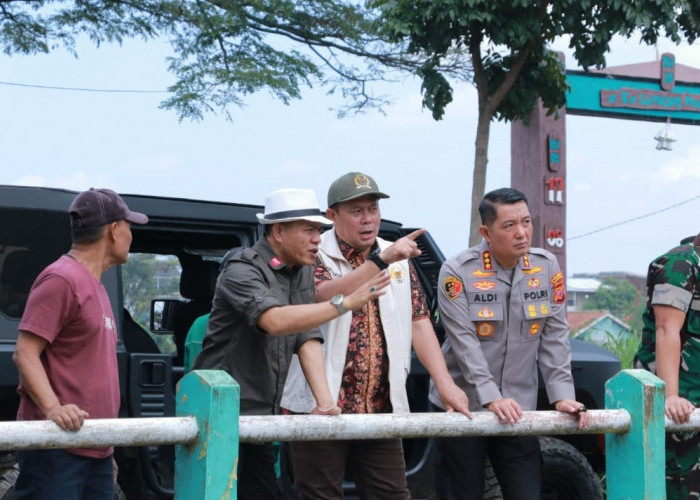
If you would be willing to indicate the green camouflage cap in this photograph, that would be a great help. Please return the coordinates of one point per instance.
(352, 185)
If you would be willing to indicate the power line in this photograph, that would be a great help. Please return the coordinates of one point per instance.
(634, 219)
(78, 89)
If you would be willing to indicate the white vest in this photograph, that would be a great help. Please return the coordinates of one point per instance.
(396, 314)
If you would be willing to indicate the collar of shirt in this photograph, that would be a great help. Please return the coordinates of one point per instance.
(268, 255)
(351, 254)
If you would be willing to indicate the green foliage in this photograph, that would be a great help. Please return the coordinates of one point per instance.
(514, 34)
(223, 50)
(621, 298)
(145, 277)
(624, 347)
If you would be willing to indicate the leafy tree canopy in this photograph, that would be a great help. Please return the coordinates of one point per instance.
(621, 298)
(508, 40)
(224, 50)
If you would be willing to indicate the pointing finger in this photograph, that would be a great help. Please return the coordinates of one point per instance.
(415, 234)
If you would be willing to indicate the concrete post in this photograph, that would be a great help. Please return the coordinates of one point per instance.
(635, 460)
(207, 468)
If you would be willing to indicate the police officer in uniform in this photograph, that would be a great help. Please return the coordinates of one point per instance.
(503, 305)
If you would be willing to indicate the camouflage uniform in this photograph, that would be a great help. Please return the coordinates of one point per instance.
(674, 280)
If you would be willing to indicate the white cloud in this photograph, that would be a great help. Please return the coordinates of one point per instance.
(154, 163)
(680, 169)
(76, 181)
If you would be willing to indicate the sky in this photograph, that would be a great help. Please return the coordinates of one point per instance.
(77, 140)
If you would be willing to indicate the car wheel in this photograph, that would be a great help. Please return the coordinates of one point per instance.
(566, 474)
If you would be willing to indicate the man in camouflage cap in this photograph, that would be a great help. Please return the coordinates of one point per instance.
(671, 341)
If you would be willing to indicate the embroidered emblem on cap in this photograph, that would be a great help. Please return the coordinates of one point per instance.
(482, 274)
(532, 270)
(484, 285)
(362, 182)
(486, 260)
(484, 329)
(486, 313)
(534, 328)
(453, 287)
(533, 283)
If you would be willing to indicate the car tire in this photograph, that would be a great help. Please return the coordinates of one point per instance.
(566, 474)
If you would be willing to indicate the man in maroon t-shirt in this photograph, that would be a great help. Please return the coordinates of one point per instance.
(66, 354)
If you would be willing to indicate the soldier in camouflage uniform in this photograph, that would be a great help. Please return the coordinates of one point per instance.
(671, 342)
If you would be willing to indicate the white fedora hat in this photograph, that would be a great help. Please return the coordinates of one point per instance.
(285, 205)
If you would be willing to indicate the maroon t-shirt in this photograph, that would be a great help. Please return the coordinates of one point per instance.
(70, 309)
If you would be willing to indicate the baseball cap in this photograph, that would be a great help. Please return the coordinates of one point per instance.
(352, 185)
(97, 207)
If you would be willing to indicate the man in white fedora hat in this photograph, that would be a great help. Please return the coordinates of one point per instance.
(264, 311)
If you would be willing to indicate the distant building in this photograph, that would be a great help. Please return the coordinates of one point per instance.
(580, 287)
(597, 326)
(579, 290)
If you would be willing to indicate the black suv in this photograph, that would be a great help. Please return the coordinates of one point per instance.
(176, 257)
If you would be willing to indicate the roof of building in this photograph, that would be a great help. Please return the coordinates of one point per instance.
(582, 285)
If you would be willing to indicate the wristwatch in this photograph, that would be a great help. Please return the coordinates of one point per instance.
(337, 301)
(374, 257)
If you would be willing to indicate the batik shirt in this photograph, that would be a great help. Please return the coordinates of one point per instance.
(365, 380)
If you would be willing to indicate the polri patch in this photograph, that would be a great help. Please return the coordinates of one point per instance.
(453, 287)
(484, 329)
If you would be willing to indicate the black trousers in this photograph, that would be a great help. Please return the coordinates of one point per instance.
(459, 467)
(256, 472)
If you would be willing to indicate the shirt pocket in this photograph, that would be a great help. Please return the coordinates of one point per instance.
(535, 313)
(488, 321)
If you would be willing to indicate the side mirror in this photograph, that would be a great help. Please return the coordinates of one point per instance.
(163, 315)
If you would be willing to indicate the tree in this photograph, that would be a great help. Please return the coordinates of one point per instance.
(507, 42)
(621, 298)
(225, 50)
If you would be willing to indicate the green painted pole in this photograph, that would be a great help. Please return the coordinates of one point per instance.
(207, 468)
(634, 460)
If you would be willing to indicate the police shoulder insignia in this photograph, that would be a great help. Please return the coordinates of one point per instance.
(453, 287)
(484, 329)
(486, 260)
(534, 328)
(526, 261)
